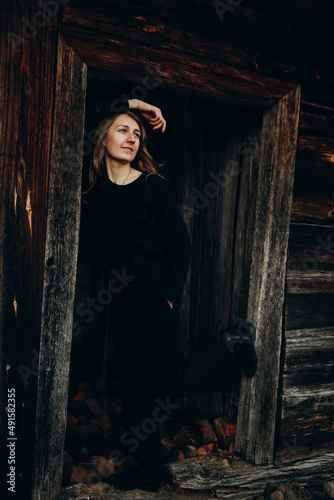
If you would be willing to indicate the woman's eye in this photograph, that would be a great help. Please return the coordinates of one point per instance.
(137, 134)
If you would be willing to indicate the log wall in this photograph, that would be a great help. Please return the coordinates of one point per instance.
(272, 40)
(269, 39)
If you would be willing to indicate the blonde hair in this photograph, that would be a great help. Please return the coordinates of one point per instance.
(97, 167)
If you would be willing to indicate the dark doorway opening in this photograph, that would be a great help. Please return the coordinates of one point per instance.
(211, 152)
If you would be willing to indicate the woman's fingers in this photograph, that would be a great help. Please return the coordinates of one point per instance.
(161, 124)
(158, 121)
(147, 110)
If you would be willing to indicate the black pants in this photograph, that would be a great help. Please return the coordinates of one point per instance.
(153, 368)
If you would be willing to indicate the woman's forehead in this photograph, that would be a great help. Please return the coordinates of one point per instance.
(126, 120)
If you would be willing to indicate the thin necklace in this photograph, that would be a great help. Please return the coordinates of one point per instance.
(125, 177)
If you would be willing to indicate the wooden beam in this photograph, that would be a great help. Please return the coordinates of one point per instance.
(62, 240)
(185, 73)
(258, 396)
(259, 26)
(309, 281)
(211, 472)
(309, 310)
(310, 249)
(27, 61)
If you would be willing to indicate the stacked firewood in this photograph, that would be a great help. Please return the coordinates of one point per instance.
(199, 440)
(95, 425)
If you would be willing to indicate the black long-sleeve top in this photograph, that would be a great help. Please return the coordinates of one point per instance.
(138, 228)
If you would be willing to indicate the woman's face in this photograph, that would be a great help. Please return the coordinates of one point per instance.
(123, 139)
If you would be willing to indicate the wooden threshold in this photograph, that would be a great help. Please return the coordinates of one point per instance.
(212, 472)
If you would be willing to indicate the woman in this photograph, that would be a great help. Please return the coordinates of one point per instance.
(139, 233)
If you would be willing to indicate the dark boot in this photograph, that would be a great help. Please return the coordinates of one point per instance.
(146, 477)
(239, 339)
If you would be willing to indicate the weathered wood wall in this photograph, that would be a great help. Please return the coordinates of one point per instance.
(214, 178)
(27, 62)
(273, 40)
(62, 238)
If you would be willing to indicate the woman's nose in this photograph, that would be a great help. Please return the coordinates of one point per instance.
(131, 137)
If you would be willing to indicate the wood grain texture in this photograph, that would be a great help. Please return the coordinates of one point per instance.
(309, 310)
(307, 390)
(309, 281)
(264, 41)
(201, 474)
(187, 73)
(26, 101)
(258, 396)
(258, 37)
(62, 238)
(311, 248)
(174, 25)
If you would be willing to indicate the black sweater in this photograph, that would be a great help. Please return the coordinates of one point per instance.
(138, 230)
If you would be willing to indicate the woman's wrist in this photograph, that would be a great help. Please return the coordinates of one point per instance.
(133, 103)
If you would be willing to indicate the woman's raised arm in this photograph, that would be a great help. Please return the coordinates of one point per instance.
(152, 113)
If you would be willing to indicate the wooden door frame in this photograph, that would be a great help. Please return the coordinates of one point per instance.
(281, 103)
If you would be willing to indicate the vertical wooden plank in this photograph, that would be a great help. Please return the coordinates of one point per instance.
(27, 60)
(249, 150)
(223, 160)
(245, 217)
(258, 396)
(62, 239)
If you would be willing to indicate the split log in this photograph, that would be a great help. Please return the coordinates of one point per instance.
(83, 473)
(169, 445)
(220, 426)
(106, 466)
(206, 449)
(95, 408)
(177, 455)
(189, 451)
(206, 431)
(187, 435)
